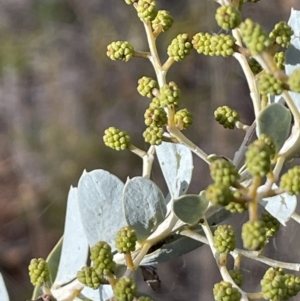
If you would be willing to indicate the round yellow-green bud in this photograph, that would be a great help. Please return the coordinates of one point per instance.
(271, 223)
(224, 291)
(226, 117)
(254, 37)
(228, 17)
(255, 66)
(163, 20)
(273, 285)
(224, 239)
(147, 10)
(89, 277)
(180, 47)
(102, 258)
(290, 181)
(153, 135)
(120, 51)
(236, 276)
(268, 84)
(258, 158)
(125, 289)
(234, 207)
(146, 85)
(183, 119)
(214, 45)
(294, 80)
(254, 235)
(223, 172)
(219, 194)
(292, 284)
(116, 139)
(130, 1)
(279, 58)
(38, 271)
(169, 95)
(270, 142)
(281, 34)
(156, 117)
(126, 240)
(142, 298)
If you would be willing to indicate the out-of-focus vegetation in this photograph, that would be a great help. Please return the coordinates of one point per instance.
(59, 91)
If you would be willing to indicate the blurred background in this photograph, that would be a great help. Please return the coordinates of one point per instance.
(59, 92)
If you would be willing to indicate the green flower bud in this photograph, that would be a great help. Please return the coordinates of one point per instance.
(180, 47)
(223, 172)
(214, 45)
(146, 85)
(38, 271)
(258, 158)
(234, 207)
(120, 51)
(169, 95)
(236, 276)
(130, 1)
(271, 223)
(273, 285)
(224, 239)
(144, 299)
(290, 181)
(116, 139)
(292, 284)
(102, 258)
(228, 17)
(156, 117)
(126, 240)
(254, 235)
(226, 116)
(183, 119)
(224, 291)
(125, 289)
(268, 84)
(89, 277)
(294, 81)
(153, 135)
(255, 66)
(254, 37)
(163, 20)
(279, 58)
(146, 10)
(270, 142)
(219, 194)
(281, 34)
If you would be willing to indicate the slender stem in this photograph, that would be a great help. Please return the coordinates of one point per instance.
(296, 217)
(239, 125)
(169, 62)
(69, 291)
(249, 254)
(174, 131)
(129, 261)
(253, 204)
(141, 54)
(255, 296)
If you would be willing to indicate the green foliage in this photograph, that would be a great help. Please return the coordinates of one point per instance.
(136, 218)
